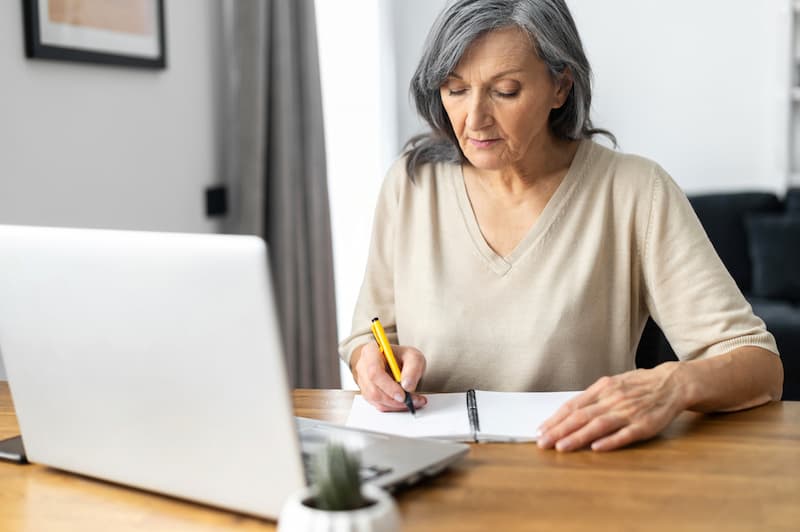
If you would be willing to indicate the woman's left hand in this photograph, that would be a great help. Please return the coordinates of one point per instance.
(617, 411)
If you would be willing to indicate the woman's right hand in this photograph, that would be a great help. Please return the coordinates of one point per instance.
(377, 385)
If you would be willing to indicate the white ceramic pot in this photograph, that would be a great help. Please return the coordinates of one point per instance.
(381, 516)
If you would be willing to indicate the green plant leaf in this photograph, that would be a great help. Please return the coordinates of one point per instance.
(336, 476)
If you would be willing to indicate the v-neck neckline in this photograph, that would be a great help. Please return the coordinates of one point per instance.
(502, 265)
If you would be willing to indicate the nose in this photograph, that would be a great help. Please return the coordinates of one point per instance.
(479, 114)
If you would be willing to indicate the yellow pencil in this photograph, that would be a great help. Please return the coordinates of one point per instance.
(386, 349)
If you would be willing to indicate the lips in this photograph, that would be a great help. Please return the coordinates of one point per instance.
(483, 143)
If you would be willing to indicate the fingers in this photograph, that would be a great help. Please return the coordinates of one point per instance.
(613, 412)
(381, 389)
(572, 422)
(412, 366)
(370, 371)
(604, 433)
(621, 438)
(591, 431)
(378, 387)
(586, 398)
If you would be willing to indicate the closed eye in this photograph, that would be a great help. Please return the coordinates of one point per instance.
(502, 94)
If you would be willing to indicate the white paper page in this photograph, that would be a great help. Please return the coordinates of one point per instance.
(516, 416)
(445, 417)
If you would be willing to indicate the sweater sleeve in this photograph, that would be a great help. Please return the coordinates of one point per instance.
(376, 297)
(689, 292)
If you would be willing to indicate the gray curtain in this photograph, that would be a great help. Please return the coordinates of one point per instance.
(273, 158)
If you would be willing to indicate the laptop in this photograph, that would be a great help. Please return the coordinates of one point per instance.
(154, 360)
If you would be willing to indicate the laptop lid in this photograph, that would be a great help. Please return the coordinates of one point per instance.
(154, 360)
(150, 359)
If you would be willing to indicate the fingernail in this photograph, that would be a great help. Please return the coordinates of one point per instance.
(399, 398)
(563, 445)
(544, 442)
(406, 384)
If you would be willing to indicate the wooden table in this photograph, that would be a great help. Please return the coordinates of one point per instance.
(723, 472)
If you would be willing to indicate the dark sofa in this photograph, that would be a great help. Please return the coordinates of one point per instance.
(757, 236)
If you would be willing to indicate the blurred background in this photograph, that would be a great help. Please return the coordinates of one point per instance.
(708, 89)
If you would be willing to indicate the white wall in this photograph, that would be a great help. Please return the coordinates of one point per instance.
(701, 87)
(411, 22)
(103, 146)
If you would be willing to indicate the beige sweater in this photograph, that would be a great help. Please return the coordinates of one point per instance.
(617, 242)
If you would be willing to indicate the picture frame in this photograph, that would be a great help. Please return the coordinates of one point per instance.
(95, 31)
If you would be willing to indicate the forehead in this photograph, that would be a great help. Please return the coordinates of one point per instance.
(502, 49)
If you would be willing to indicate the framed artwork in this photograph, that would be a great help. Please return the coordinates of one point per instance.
(117, 32)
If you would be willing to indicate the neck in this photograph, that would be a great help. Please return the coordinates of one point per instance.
(542, 169)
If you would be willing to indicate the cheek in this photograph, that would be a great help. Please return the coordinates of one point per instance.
(527, 119)
(455, 118)
(517, 123)
(454, 113)
(521, 129)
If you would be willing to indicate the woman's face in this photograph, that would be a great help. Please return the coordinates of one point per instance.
(499, 98)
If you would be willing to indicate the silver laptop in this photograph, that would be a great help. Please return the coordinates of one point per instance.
(154, 360)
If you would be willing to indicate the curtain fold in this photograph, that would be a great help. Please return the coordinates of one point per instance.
(276, 172)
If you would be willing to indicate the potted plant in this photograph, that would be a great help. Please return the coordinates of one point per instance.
(337, 500)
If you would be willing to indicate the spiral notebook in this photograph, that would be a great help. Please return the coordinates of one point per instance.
(475, 415)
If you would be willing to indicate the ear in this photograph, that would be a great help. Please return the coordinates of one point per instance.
(564, 83)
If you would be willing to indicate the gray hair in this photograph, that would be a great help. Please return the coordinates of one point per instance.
(555, 38)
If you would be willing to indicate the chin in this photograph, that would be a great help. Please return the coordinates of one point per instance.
(484, 161)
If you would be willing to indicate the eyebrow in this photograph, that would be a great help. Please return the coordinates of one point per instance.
(498, 75)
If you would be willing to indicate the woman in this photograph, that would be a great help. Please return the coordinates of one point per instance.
(511, 252)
